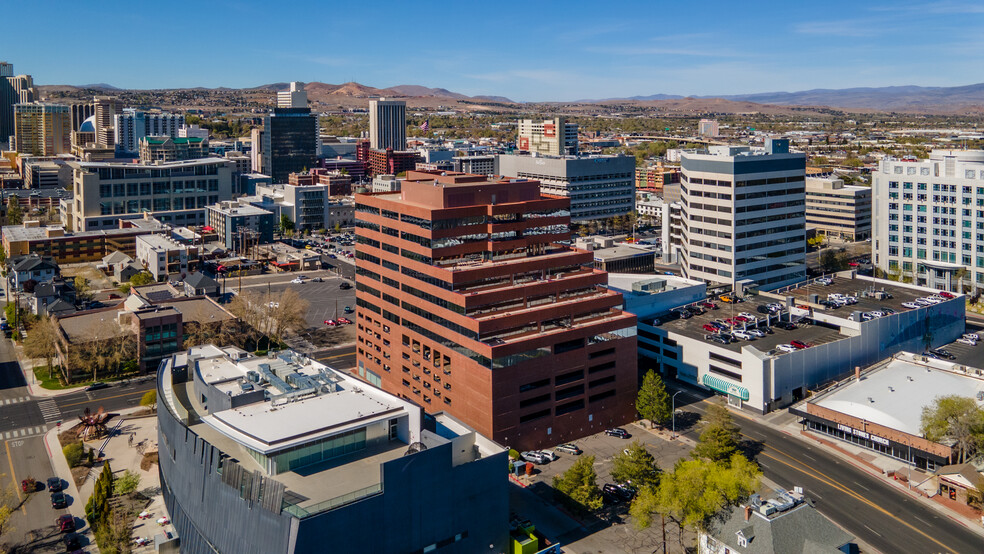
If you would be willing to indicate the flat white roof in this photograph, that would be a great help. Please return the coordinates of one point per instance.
(624, 281)
(895, 395)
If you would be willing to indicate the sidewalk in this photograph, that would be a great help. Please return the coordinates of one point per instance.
(77, 506)
(874, 464)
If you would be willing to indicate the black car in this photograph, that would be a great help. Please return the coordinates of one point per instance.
(617, 432)
(345, 285)
(610, 493)
(933, 355)
(317, 280)
(54, 484)
(785, 325)
(72, 542)
(944, 353)
(97, 385)
(58, 500)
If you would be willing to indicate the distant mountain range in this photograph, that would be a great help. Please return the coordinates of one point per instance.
(900, 98)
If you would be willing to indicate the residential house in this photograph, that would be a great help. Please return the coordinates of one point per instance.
(956, 480)
(199, 284)
(32, 267)
(55, 297)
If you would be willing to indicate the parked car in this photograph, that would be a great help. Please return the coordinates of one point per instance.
(345, 285)
(97, 385)
(344, 321)
(569, 448)
(317, 280)
(617, 432)
(54, 484)
(946, 295)
(799, 344)
(718, 339)
(971, 336)
(726, 299)
(58, 500)
(331, 322)
(756, 332)
(534, 456)
(72, 542)
(785, 325)
(684, 314)
(550, 454)
(910, 305)
(786, 348)
(742, 335)
(711, 328)
(968, 342)
(709, 305)
(348, 310)
(65, 523)
(297, 281)
(30, 485)
(932, 355)
(944, 354)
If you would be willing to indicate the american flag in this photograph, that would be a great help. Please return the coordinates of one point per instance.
(425, 126)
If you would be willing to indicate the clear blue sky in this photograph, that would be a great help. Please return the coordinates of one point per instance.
(527, 50)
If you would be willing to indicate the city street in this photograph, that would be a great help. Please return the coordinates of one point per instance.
(864, 505)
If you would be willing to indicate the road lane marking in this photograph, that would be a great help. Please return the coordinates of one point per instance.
(810, 457)
(137, 393)
(862, 486)
(833, 483)
(13, 477)
(872, 530)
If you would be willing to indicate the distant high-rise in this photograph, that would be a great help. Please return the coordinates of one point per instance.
(13, 90)
(133, 125)
(106, 108)
(293, 97)
(80, 112)
(42, 129)
(289, 142)
(387, 124)
(707, 128)
(552, 137)
(744, 215)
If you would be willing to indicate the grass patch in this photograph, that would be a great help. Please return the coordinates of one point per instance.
(50, 383)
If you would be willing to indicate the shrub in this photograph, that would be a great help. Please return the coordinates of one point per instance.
(513, 454)
(126, 483)
(73, 454)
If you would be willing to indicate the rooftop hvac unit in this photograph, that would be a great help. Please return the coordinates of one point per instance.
(253, 376)
(767, 509)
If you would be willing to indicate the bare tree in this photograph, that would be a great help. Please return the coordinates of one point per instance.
(289, 314)
(41, 341)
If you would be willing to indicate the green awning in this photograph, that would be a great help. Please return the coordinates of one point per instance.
(725, 387)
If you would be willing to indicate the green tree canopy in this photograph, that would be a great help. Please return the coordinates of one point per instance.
(637, 467)
(142, 278)
(719, 440)
(696, 490)
(578, 486)
(83, 289)
(653, 402)
(957, 418)
(15, 215)
(285, 224)
(149, 399)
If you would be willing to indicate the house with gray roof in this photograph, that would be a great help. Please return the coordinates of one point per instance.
(45, 296)
(32, 267)
(775, 526)
(199, 284)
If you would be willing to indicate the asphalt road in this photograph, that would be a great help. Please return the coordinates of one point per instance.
(867, 507)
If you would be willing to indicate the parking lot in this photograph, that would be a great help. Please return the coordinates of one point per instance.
(326, 301)
(970, 356)
(610, 530)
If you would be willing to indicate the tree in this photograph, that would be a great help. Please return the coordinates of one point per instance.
(956, 418)
(73, 453)
(719, 440)
(830, 261)
(288, 314)
(15, 216)
(637, 466)
(126, 483)
(696, 490)
(578, 486)
(83, 289)
(9, 502)
(142, 278)
(41, 341)
(285, 224)
(149, 400)
(653, 402)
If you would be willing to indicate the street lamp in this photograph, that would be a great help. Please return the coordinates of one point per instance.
(673, 415)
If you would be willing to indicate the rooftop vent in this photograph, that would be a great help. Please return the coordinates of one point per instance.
(909, 377)
(891, 389)
(872, 400)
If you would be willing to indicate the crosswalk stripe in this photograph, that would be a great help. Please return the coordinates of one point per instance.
(6, 435)
(16, 433)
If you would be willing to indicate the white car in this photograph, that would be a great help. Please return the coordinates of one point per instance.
(748, 315)
(972, 336)
(910, 305)
(274, 305)
(297, 281)
(931, 300)
(851, 299)
(758, 333)
(876, 313)
(923, 302)
(968, 342)
(550, 454)
(786, 348)
(742, 335)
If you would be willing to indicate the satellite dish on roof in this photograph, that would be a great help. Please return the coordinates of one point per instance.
(414, 448)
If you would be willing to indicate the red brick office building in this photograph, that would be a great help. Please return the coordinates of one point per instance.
(467, 304)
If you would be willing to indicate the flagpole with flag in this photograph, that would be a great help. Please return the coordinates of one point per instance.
(425, 126)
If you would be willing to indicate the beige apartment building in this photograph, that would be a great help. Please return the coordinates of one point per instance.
(838, 210)
(551, 137)
(42, 129)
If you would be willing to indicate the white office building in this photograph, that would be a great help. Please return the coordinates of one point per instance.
(743, 215)
(387, 124)
(294, 97)
(133, 125)
(928, 218)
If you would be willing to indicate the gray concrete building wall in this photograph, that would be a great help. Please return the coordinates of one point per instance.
(599, 186)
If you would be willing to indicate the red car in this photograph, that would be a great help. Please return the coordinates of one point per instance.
(29, 485)
(946, 295)
(709, 305)
(741, 318)
(711, 328)
(331, 322)
(799, 344)
(344, 321)
(731, 321)
(65, 523)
